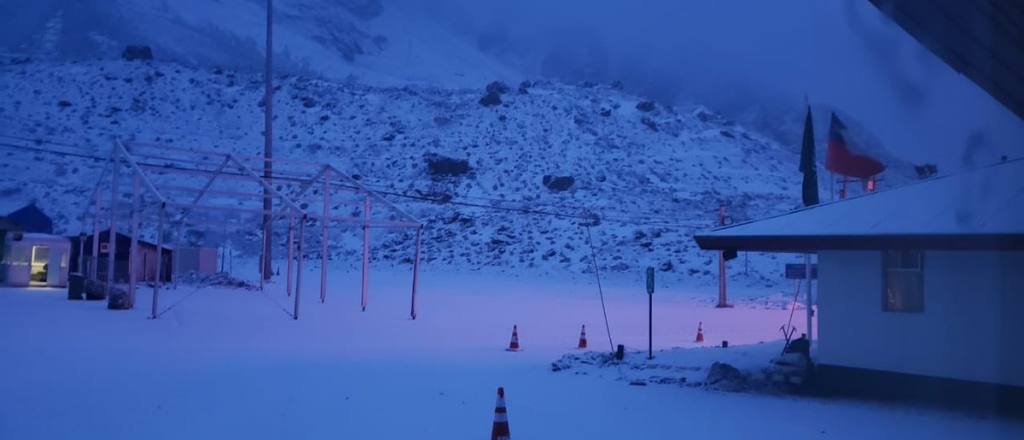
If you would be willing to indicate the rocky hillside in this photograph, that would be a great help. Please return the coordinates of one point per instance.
(504, 179)
(364, 40)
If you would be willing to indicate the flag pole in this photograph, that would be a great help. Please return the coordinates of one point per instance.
(832, 187)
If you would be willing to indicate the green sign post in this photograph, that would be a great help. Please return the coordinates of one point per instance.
(650, 313)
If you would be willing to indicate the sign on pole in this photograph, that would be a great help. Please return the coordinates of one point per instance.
(650, 280)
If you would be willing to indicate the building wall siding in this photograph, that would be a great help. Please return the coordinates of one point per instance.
(970, 328)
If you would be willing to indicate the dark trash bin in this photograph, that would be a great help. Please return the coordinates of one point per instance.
(94, 290)
(118, 299)
(76, 286)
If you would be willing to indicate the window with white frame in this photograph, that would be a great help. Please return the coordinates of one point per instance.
(903, 281)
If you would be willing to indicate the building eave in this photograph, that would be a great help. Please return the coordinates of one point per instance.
(814, 243)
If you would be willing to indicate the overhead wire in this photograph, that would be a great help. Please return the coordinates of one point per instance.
(591, 216)
(651, 220)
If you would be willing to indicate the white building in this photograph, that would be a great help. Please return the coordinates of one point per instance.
(920, 288)
(31, 259)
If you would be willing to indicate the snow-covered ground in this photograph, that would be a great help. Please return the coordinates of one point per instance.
(233, 364)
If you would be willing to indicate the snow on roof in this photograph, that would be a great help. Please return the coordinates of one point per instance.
(33, 237)
(981, 208)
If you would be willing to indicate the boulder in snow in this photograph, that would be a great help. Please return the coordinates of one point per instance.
(645, 106)
(447, 167)
(559, 183)
(498, 87)
(491, 99)
(132, 53)
(726, 377)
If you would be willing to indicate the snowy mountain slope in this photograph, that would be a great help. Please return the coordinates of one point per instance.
(363, 39)
(652, 178)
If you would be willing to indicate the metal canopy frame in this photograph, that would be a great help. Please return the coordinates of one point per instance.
(165, 191)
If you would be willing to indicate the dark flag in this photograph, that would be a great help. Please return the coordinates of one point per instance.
(807, 163)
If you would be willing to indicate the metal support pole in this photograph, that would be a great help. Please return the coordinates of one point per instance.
(112, 246)
(133, 256)
(366, 251)
(81, 253)
(268, 139)
(291, 252)
(159, 258)
(650, 326)
(298, 275)
(416, 270)
(263, 258)
(832, 187)
(93, 265)
(326, 226)
(810, 301)
(176, 257)
(722, 300)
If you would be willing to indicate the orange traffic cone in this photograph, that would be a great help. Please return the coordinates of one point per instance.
(700, 332)
(514, 344)
(500, 429)
(583, 338)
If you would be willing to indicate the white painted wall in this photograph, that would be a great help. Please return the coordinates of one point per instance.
(972, 327)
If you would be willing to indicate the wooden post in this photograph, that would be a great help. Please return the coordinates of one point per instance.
(366, 251)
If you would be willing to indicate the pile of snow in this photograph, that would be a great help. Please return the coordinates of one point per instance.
(746, 368)
(220, 279)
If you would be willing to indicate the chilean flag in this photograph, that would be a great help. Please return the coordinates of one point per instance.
(845, 157)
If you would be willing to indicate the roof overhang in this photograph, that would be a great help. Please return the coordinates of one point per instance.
(812, 243)
(980, 39)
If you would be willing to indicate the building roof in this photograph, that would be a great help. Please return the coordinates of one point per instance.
(37, 238)
(980, 39)
(7, 224)
(982, 209)
(32, 219)
(122, 239)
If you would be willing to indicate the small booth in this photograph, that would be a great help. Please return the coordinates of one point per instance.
(39, 260)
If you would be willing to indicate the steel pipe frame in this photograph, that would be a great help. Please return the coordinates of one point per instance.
(112, 238)
(133, 262)
(248, 174)
(366, 252)
(325, 224)
(121, 154)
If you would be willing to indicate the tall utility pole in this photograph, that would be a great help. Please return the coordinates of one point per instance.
(268, 143)
(722, 303)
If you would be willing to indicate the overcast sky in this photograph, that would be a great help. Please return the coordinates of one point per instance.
(841, 52)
